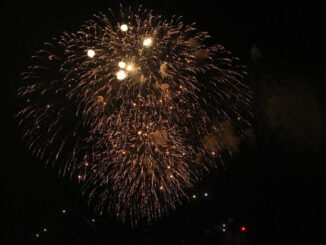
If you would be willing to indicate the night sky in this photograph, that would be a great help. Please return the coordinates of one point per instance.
(274, 186)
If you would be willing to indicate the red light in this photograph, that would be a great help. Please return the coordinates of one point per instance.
(243, 228)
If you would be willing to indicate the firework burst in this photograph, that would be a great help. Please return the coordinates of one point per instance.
(136, 107)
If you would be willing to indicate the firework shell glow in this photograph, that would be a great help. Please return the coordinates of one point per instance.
(136, 108)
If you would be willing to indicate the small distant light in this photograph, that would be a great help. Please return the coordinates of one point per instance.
(147, 42)
(224, 225)
(37, 235)
(194, 196)
(206, 194)
(139, 132)
(45, 230)
(121, 75)
(161, 187)
(124, 27)
(93, 220)
(91, 53)
(243, 228)
(224, 230)
(129, 67)
(122, 64)
(79, 176)
(64, 211)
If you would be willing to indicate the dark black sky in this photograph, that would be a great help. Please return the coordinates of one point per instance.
(274, 186)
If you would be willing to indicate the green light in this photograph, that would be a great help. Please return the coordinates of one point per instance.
(194, 196)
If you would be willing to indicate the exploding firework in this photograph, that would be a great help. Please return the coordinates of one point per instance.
(136, 108)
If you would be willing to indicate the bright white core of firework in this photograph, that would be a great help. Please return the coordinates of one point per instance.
(91, 53)
(121, 75)
(147, 42)
(122, 64)
(124, 27)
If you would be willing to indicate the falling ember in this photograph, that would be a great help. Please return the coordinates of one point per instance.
(136, 147)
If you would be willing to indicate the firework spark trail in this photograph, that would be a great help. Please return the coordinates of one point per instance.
(137, 107)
